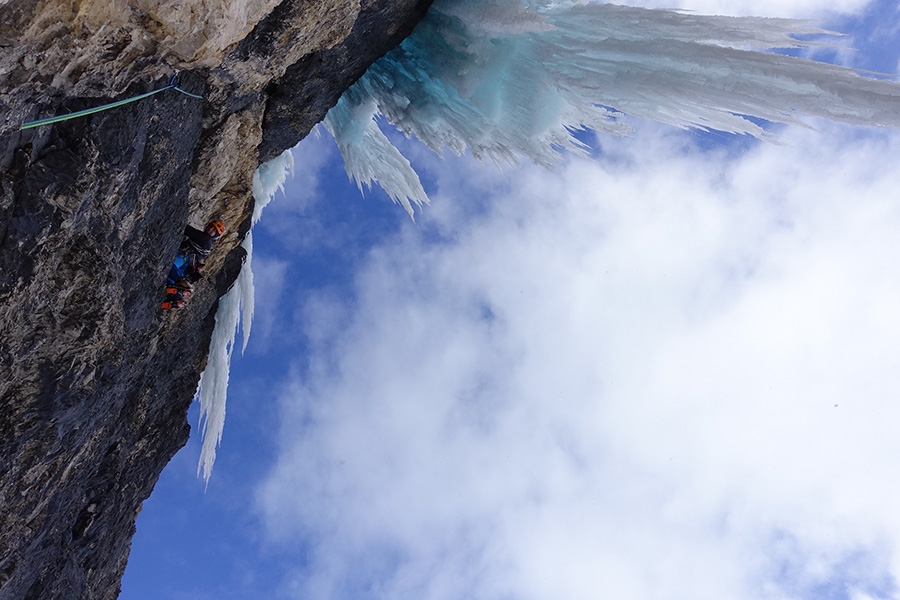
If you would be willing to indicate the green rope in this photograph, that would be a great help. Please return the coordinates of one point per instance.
(90, 111)
(178, 89)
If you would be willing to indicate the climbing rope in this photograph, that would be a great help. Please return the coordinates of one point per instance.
(90, 111)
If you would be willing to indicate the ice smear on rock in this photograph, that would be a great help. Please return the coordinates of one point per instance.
(510, 79)
(236, 306)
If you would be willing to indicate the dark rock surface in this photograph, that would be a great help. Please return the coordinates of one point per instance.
(95, 380)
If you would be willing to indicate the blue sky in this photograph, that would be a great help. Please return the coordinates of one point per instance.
(667, 372)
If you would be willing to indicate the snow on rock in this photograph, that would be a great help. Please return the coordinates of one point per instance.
(235, 308)
(512, 79)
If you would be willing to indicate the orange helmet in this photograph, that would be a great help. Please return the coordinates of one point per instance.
(218, 225)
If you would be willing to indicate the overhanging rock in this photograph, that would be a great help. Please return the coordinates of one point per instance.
(95, 381)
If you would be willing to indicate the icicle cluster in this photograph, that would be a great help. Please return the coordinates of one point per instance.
(235, 307)
(509, 79)
(512, 79)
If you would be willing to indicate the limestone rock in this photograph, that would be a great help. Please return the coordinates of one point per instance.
(95, 380)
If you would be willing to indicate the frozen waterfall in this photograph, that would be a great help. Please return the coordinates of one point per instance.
(513, 79)
(235, 307)
(508, 79)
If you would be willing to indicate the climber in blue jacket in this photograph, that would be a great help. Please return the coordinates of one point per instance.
(186, 268)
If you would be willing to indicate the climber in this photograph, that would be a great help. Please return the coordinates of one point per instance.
(187, 266)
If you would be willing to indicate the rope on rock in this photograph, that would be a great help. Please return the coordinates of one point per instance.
(90, 111)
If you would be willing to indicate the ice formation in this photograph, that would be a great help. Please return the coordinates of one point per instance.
(512, 79)
(235, 307)
(508, 79)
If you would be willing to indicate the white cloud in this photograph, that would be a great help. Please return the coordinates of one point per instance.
(766, 8)
(664, 374)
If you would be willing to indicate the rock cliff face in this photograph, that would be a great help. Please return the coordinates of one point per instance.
(95, 380)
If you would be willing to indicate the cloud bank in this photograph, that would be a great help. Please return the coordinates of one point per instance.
(803, 9)
(669, 372)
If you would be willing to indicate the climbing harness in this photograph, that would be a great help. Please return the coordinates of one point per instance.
(90, 111)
